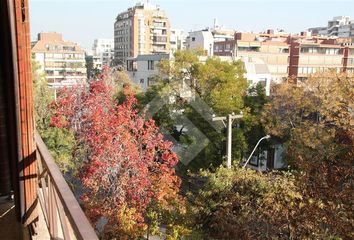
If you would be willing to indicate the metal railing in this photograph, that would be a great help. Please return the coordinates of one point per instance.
(62, 212)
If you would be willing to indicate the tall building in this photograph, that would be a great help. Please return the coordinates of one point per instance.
(103, 52)
(142, 29)
(62, 61)
(341, 26)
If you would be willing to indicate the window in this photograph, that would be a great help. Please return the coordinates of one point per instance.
(284, 50)
(309, 50)
(151, 65)
(142, 80)
(193, 39)
(150, 81)
(130, 65)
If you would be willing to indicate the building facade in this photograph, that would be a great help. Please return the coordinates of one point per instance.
(257, 72)
(291, 56)
(273, 49)
(203, 40)
(340, 26)
(177, 40)
(142, 69)
(63, 62)
(309, 56)
(142, 29)
(103, 52)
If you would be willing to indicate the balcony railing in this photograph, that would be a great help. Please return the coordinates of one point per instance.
(62, 212)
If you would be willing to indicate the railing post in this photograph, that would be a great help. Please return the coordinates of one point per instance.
(53, 224)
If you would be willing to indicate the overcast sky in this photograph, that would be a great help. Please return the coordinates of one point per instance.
(82, 21)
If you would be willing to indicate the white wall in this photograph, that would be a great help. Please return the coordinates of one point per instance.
(39, 57)
(256, 78)
(141, 76)
(203, 40)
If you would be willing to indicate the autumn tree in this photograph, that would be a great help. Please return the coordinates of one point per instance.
(314, 119)
(127, 168)
(244, 204)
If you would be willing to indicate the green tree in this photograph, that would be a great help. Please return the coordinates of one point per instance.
(221, 85)
(43, 96)
(60, 142)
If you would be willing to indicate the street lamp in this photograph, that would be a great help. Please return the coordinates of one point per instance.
(260, 140)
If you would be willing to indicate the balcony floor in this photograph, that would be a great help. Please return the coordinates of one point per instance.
(9, 227)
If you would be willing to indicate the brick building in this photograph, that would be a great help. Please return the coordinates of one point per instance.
(291, 56)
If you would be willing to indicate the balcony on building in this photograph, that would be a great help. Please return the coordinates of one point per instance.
(35, 200)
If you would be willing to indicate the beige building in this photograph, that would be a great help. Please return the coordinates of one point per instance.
(273, 49)
(62, 61)
(142, 29)
(291, 55)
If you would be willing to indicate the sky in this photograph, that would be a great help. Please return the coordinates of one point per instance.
(82, 21)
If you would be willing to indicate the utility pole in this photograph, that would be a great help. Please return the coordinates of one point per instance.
(229, 118)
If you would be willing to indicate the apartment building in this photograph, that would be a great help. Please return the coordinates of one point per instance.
(273, 49)
(103, 52)
(142, 69)
(318, 31)
(309, 56)
(142, 29)
(341, 26)
(62, 61)
(177, 40)
(287, 55)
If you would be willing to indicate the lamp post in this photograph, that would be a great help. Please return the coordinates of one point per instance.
(259, 141)
(230, 118)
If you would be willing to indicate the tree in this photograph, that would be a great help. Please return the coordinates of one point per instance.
(315, 121)
(220, 85)
(244, 204)
(60, 142)
(127, 167)
(43, 96)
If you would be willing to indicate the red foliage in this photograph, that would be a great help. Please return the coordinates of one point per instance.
(127, 163)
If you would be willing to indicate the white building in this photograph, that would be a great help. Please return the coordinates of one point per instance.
(268, 159)
(338, 26)
(202, 39)
(178, 40)
(143, 68)
(257, 72)
(103, 52)
(341, 26)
